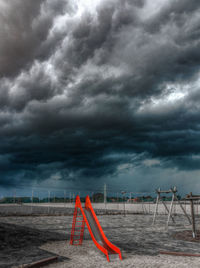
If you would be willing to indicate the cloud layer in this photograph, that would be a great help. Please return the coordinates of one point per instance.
(87, 88)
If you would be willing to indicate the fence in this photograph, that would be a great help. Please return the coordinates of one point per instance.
(61, 202)
(66, 208)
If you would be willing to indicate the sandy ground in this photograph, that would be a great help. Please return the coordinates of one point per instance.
(139, 241)
(67, 209)
(87, 256)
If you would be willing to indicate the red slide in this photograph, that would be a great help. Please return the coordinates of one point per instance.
(88, 216)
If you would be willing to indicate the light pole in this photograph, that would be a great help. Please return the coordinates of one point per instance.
(64, 197)
(105, 194)
(32, 198)
(123, 194)
(14, 196)
(49, 200)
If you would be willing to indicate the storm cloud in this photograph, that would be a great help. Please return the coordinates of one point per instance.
(89, 89)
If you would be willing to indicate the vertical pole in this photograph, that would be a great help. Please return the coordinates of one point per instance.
(196, 205)
(130, 197)
(170, 210)
(14, 196)
(142, 205)
(70, 197)
(123, 198)
(118, 199)
(49, 196)
(64, 197)
(124, 207)
(156, 208)
(105, 194)
(174, 207)
(193, 219)
(32, 198)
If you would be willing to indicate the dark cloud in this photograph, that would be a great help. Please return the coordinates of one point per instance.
(24, 29)
(87, 91)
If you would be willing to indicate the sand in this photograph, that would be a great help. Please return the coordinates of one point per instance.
(87, 256)
(139, 241)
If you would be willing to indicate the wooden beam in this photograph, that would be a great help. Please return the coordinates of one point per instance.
(164, 192)
(40, 263)
(192, 198)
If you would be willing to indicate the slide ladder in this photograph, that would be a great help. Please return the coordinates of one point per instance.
(87, 216)
(78, 225)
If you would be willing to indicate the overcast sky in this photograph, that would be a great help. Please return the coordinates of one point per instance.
(104, 91)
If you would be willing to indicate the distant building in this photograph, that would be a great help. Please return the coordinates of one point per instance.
(98, 197)
(131, 200)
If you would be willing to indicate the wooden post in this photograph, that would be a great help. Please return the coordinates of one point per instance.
(170, 209)
(193, 219)
(156, 208)
(173, 191)
(193, 198)
(167, 210)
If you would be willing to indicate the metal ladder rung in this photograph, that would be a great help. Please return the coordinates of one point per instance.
(78, 225)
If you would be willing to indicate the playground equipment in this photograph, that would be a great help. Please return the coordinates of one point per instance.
(172, 191)
(86, 215)
(192, 198)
